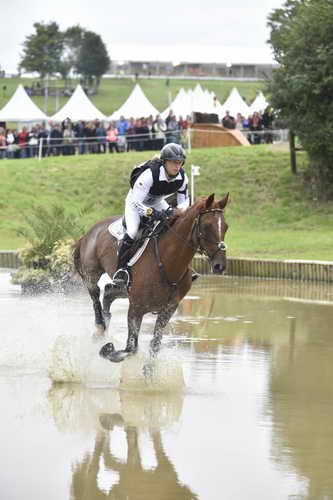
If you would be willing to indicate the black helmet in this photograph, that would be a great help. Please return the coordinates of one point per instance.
(173, 151)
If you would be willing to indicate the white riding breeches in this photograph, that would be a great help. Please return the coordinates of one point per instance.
(132, 216)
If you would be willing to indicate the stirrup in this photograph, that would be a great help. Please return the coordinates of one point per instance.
(120, 278)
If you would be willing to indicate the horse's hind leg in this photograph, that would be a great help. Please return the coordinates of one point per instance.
(94, 292)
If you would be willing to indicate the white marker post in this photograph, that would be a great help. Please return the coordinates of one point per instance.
(195, 170)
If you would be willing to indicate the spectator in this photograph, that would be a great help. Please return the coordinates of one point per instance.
(33, 142)
(44, 136)
(112, 137)
(80, 134)
(142, 131)
(122, 127)
(130, 133)
(159, 129)
(3, 143)
(101, 137)
(69, 138)
(90, 134)
(228, 121)
(255, 126)
(23, 142)
(267, 123)
(56, 140)
(172, 134)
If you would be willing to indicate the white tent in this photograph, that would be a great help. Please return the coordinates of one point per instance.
(78, 107)
(234, 104)
(137, 105)
(21, 108)
(180, 105)
(259, 104)
(187, 102)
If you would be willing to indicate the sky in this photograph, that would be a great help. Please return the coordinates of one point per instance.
(173, 30)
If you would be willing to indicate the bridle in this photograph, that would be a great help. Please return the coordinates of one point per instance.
(197, 230)
(199, 236)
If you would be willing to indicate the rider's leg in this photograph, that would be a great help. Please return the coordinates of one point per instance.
(132, 219)
(120, 276)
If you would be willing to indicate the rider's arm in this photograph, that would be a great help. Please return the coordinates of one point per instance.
(183, 199)
(140, 191)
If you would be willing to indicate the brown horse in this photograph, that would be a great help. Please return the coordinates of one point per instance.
(161, 277)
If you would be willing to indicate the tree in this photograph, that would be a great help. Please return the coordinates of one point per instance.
(302, 87)
(93, 60)
(73, 39)
(42, 50)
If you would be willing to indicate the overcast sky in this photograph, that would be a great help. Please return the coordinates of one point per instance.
(173, 30)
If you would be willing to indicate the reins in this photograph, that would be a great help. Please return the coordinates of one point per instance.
(221, 246)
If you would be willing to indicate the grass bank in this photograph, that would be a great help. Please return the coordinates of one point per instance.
(269, 214)
(112, 93)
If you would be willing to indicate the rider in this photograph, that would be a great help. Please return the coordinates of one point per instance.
(159, 178)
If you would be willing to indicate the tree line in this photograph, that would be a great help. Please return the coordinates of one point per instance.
(302, 87)
(50, 51)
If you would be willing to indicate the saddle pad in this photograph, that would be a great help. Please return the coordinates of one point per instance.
(117, 230)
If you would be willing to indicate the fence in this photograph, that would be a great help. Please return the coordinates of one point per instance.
(66, 146)
(304, 270)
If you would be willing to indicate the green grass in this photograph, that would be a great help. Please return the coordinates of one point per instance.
(269, 215)
(113, 92)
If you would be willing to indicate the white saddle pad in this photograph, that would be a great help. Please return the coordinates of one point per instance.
(117, 230)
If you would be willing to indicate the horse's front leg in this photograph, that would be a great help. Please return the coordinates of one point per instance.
(162, 320)
(134, 320)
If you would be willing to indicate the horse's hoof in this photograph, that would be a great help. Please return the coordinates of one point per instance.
(106, 350)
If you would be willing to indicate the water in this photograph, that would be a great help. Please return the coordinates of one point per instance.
(240, 406)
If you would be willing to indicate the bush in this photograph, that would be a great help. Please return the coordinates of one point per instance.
(47, 263)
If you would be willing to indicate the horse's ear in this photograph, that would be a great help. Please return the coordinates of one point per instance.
(222, 203)
(209, 201)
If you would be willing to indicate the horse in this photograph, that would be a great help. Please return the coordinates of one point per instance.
(160, 278)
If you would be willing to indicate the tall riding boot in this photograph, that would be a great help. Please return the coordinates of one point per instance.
(120, 277)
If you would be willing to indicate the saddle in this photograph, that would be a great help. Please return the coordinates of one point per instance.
(146, 231)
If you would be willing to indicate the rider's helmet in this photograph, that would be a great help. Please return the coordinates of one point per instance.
(173, 151)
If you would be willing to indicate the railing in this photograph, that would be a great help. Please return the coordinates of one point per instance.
(303, 270)
(67, 146)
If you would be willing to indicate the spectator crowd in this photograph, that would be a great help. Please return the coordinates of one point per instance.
(69, 138)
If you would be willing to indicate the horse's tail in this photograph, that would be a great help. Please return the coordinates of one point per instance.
(76, 256)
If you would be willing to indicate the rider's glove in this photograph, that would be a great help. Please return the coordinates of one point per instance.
(159, 214)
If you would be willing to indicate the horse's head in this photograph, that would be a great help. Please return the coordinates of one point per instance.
(210, 229)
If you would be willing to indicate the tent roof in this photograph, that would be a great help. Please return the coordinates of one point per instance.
(180, 105)
(78, 107)
(235, 104)
(137, 105)
(259, 104)
(21, 108)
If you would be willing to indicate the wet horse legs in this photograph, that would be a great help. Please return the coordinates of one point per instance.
(161, 322)
(94, 293)
(134, 325)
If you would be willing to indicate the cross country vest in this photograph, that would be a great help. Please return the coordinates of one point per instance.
(159, 187)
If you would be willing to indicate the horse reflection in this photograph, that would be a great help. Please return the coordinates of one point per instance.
(132, 479)
(101, 474)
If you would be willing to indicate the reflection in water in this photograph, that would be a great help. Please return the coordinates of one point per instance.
(254, 420)
(107, 472)
(302, 402)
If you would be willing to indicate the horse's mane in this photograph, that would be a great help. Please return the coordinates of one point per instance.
(193, 209)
